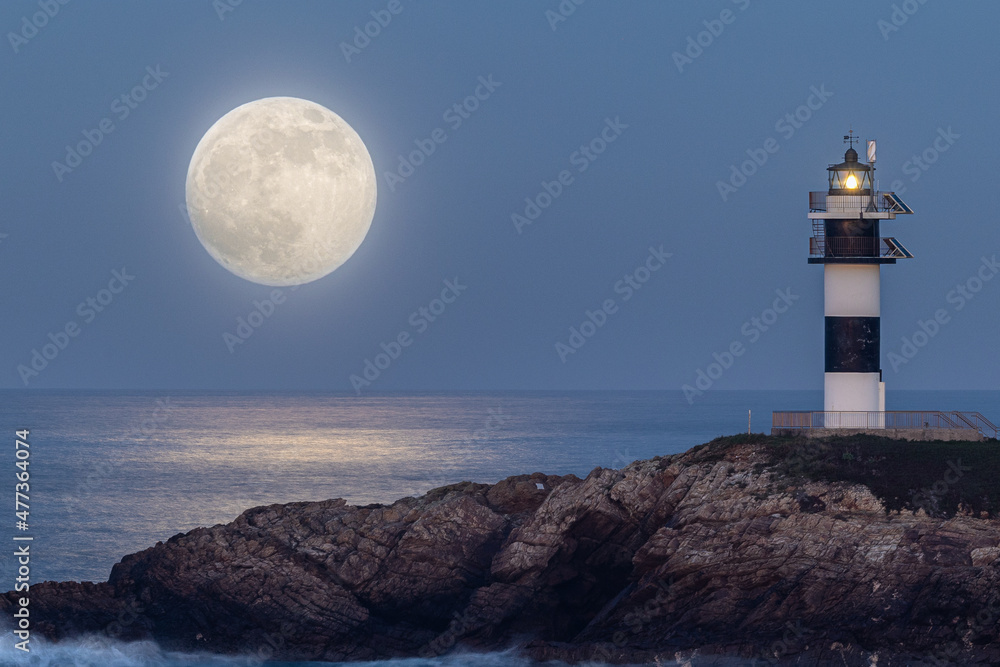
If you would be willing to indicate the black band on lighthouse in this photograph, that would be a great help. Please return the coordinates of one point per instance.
(852, 344)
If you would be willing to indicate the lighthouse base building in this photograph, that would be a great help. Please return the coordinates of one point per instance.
(847, 241)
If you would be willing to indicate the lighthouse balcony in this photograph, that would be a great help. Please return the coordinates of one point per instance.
(878, 205)
(856, 249)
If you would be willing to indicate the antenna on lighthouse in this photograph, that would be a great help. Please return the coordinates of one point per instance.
(871, 161)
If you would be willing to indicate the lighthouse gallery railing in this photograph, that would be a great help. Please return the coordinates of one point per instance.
(854, 246)
(888, 419)
(879, 201)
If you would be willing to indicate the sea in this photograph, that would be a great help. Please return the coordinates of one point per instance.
(112, 473)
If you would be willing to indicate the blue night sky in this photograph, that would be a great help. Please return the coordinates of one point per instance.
(925, 88)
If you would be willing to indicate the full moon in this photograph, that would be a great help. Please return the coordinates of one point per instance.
(281, 191)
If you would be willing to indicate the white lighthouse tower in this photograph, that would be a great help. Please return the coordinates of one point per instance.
(846, 241)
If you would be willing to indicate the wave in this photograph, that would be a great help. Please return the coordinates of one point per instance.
(103, 652)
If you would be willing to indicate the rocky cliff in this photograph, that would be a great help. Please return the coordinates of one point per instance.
(769, 549)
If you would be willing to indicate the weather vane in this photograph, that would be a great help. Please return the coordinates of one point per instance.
(849, 138)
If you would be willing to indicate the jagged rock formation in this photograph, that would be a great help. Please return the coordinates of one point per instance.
(720, 551)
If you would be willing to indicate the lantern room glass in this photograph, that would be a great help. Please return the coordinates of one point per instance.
(850, 180)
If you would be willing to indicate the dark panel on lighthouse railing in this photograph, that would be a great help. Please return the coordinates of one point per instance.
(897, 249)
(852, 344)
(895, 204)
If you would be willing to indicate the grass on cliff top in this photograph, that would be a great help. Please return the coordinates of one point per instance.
(943, 478)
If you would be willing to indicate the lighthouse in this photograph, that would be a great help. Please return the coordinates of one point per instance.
(847, 242)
